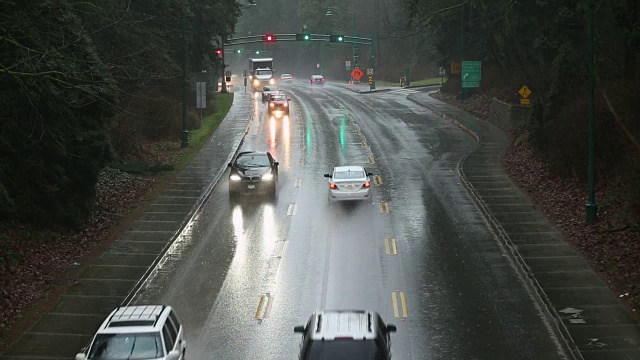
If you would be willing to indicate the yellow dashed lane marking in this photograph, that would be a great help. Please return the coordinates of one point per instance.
(364, 143)
(384, 207)
(377, 179)
(390, 246)
(372, 160)
(264, 305)
(402, 306)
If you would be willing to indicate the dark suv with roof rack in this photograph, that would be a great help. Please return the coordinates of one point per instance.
(345, 335)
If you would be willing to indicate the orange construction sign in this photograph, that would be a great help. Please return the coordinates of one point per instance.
(357, 74)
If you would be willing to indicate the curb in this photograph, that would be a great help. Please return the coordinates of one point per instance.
(188, 219)
(569, 344)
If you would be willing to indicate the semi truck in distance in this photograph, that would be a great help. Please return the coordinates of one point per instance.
(261, 73)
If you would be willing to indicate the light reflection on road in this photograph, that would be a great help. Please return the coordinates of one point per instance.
(268, 229)
(239, 236)
(286, 135)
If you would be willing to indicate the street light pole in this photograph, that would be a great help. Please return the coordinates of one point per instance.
(462, 90)
(592, 207)
(224, 78)
(185, 132)
(353, 46)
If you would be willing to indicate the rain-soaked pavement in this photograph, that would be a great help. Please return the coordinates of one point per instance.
(241, 275)
(420, 253)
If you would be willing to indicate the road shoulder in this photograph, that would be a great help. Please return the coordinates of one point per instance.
(590, 317)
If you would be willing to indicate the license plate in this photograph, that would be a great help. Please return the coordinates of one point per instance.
(251, 186)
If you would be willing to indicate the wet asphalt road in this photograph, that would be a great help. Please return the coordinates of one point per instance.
(420, 253)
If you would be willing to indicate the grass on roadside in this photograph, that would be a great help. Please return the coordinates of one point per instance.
(198, 137)
(429, 81)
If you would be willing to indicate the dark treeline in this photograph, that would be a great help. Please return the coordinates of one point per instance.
(77, 78)
(545, 45)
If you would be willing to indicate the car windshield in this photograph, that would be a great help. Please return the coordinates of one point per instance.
(344, 350)
(263, 72)
(126, 347)
(347, 175)
(253, 160)
(279, 98)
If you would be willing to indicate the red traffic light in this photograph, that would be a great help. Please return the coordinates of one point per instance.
(218, 52)
(269, 38)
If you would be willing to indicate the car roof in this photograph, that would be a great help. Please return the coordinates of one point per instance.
(251, 152)
(134, 319)
(332, 324)
(348, 168)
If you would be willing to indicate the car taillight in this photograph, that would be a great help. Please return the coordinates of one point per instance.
(366, 185)
(322, 79)
(333, 186)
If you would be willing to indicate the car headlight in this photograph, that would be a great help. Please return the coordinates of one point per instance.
(271, 104)
(272, 81)
(286, 104)
(235, 177)
(256, 82)
(267, 177)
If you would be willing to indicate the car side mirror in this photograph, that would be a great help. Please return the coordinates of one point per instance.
(173, 355)
(298, 329)
(369, 174)
(327, 175)
(81, 356)
(288, 99)
(391, 328)
(229, 164)
(276, 163)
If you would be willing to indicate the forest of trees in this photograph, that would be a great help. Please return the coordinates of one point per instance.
(77, 79)
(545, 45)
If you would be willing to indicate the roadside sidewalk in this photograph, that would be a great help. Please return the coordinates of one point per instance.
(590, 317)
(117, 274)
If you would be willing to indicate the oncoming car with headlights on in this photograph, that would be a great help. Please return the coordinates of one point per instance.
(253, 172)
(279, 102)
(349, 183)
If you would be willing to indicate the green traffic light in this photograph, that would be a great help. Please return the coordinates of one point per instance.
(257, 52)
(339, 38)
(306, 37)
(239, 51)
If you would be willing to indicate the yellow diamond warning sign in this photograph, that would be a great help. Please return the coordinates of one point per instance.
(524, 92)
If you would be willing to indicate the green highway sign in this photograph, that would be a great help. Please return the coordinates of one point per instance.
(471, 74)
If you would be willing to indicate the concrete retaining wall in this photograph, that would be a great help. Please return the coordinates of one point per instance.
(507, 116)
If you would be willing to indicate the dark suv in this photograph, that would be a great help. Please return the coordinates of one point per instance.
(253, 172)
(345, 335)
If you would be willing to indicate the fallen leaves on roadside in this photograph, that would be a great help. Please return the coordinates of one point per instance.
(44, 256)
(610, 245)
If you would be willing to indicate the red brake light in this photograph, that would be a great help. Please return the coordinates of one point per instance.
(366, 185)
(333, 186)
(322, 79)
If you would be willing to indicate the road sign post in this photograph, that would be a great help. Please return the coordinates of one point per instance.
(357, 74)
(471, 74)
(524, 95)
(442, 73)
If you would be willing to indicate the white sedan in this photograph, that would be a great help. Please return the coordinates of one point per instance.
(349, 183)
